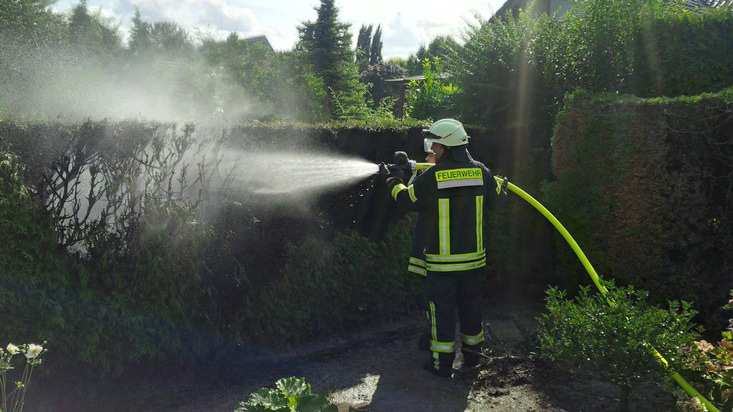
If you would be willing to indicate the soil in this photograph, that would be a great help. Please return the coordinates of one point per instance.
(378, 369)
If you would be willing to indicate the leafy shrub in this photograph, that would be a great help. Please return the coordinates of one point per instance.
(496, 70)
(671, 47)
(615, 335)
(433, 97)
(290, 395)
(593, 46)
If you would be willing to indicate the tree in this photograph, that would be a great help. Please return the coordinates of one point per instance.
(368, 48)
(440, 47)
(170, 38)
(375, 52)
(93, 35)
(30, 22)
(363, 47)
(326, 47)
(140, 34)
(164, 38)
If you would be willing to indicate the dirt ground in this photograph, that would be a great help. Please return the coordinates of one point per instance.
(379, 369)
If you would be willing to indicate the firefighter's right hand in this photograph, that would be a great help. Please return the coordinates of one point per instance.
(383, 172)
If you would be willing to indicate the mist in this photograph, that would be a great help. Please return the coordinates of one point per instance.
(71, 86)
(66, 85)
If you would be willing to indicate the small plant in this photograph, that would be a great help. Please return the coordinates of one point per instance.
(291, 395)
(15, 399)
(717, 367)
(615, 335)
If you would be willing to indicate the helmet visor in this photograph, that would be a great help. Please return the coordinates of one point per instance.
(428, 145)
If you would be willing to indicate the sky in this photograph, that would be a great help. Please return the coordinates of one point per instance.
(406, 24)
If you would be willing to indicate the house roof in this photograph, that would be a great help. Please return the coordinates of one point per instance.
(691, 4)
(513, 5)
(259, 40)
(405, 80)
(695, 4)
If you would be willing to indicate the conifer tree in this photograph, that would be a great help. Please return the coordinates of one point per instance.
(363, 47)
(140, 36)
(326, 46)
(375, 51)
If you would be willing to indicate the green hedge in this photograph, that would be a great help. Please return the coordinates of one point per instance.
(645, 187)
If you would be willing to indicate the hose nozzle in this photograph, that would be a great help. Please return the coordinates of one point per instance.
(403, 166)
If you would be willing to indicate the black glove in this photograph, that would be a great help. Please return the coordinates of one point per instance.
(383, 172)
(401, 167)
(400, 158)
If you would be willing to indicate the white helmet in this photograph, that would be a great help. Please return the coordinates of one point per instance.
(448, 132)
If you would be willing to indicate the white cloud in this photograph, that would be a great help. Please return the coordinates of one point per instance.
(225, 17)
(405, 24)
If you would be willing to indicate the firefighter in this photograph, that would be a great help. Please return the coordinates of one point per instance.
(449, 198)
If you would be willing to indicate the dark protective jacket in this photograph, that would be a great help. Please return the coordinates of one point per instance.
(449, 198)
(417, 251)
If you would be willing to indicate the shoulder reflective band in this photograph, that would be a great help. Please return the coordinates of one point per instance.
(459, 177)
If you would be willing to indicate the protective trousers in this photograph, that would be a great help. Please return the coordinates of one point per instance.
(448, 293)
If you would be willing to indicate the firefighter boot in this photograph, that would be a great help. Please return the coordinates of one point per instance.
(471, 355)
(440, 364)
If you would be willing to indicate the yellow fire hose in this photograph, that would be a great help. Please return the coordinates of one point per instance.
(503, 182)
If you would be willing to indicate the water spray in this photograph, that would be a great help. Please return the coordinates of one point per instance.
(402, 163)
(274, 173)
